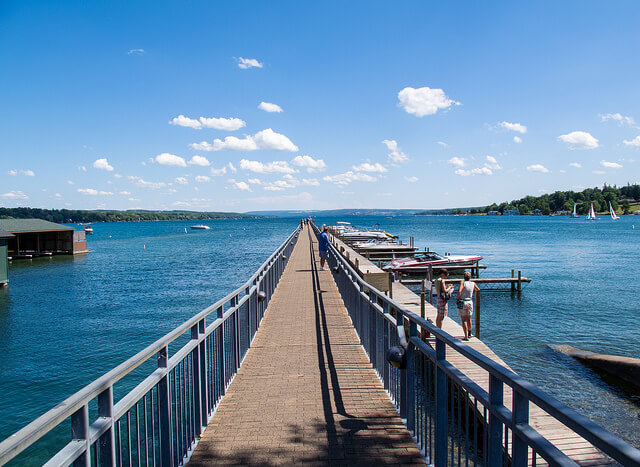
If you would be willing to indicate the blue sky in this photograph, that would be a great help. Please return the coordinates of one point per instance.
(383, 104)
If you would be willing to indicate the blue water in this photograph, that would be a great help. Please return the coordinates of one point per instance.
(65, 321)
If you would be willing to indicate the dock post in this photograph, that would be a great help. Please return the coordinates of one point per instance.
(519, 281)
(442, 402)
(390, 285)
(106, 443)
(357, 264)
(477, 318)
(164, 411)
(496, 399)
(513, 285)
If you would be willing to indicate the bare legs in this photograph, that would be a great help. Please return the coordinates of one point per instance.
(466, 326)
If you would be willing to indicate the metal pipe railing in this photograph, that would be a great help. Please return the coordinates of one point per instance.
(454, 420)
(160, 420)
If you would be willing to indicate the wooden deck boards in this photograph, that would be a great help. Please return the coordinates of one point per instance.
(306, 392)
(576, 447)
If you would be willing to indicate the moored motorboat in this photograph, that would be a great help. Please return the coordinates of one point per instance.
(200, 227)
(88, 230)
(424, 261)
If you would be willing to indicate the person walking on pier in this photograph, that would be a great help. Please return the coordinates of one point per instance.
(323, 246)
(465, 303)
(443, 291)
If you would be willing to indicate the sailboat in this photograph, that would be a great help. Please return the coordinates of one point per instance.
(592, 214)
(575, 213)
(614, 216)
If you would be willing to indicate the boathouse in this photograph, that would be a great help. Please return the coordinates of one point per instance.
(4, 260)
(37, 237)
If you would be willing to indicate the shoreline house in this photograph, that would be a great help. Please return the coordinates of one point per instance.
(4, 257)
(36, 237)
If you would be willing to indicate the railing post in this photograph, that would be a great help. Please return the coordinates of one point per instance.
(196, 381)
(80, 432)
(520, 412)
(387, 342)
(164, 411)
(404, 383)
(204, 381)
(106, 444)
(441, 419)
(221, 358)
(496, 400)
(411, 377)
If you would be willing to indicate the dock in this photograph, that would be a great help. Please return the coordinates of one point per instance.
(304, 365)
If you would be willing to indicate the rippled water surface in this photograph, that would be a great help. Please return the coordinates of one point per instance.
(65, 321)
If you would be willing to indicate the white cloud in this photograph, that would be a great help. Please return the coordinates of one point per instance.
(443, 144)
(411, 179)
(310, 182)
(265, 139)
(457, 161)
(476, 171)
(218, 172)
(246, 63)
(26, 173)
(117, 176)
(634, 143)
(101, 164)
(242, 186)
(255, 181)
(199, 160)
(517, 127)
(82, 168)
(610, 165)
(348, 177)
(273, 188)
(424, 101)
(268, 167)
(169, 159)
(227, 124)
(14, 194)
(69, 182)
(492, 163)
(125, 193)
(517, 139)
(537, 168)
(599, 172)
(579, 140)
(621, 119)
(269, 107)
(181, 180)
(232, 167)
(145, 184)
(575, 164)
(136, 52)
(92, 192)
(396, 155)
(367, 167)
(311, 164)
(202, 178)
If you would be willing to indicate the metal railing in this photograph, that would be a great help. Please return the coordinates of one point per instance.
(453, 419)
(160, 420)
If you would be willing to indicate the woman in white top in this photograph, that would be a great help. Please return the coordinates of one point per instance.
(465, 303)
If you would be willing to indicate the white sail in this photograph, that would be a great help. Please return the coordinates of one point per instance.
(575, 213)
(614, 216)
(592, 214)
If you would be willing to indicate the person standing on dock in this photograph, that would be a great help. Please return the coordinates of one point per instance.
(443, 292)
(465, 303)
(323, 246)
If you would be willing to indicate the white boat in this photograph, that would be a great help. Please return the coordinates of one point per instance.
(575, 213)
(200, 227)
(592, 214)
(614, 216)
(422, 262)
(88, 230)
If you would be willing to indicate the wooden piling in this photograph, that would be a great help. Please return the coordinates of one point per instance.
(519, 281)
(513, 286)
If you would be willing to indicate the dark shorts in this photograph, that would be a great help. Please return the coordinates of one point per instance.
(324, 254)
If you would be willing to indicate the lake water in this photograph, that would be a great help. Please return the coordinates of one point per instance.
(65, 321)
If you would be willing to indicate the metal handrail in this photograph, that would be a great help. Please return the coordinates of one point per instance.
(523, 391)
(76, 406)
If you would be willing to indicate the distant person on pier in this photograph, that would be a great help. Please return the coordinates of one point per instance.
(323, 246)
(465, 303)
(443, 292)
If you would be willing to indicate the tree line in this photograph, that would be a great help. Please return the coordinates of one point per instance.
(74, 215)
(620, 198)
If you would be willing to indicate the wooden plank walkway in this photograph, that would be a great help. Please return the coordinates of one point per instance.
(306, 392)
(576, 447)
